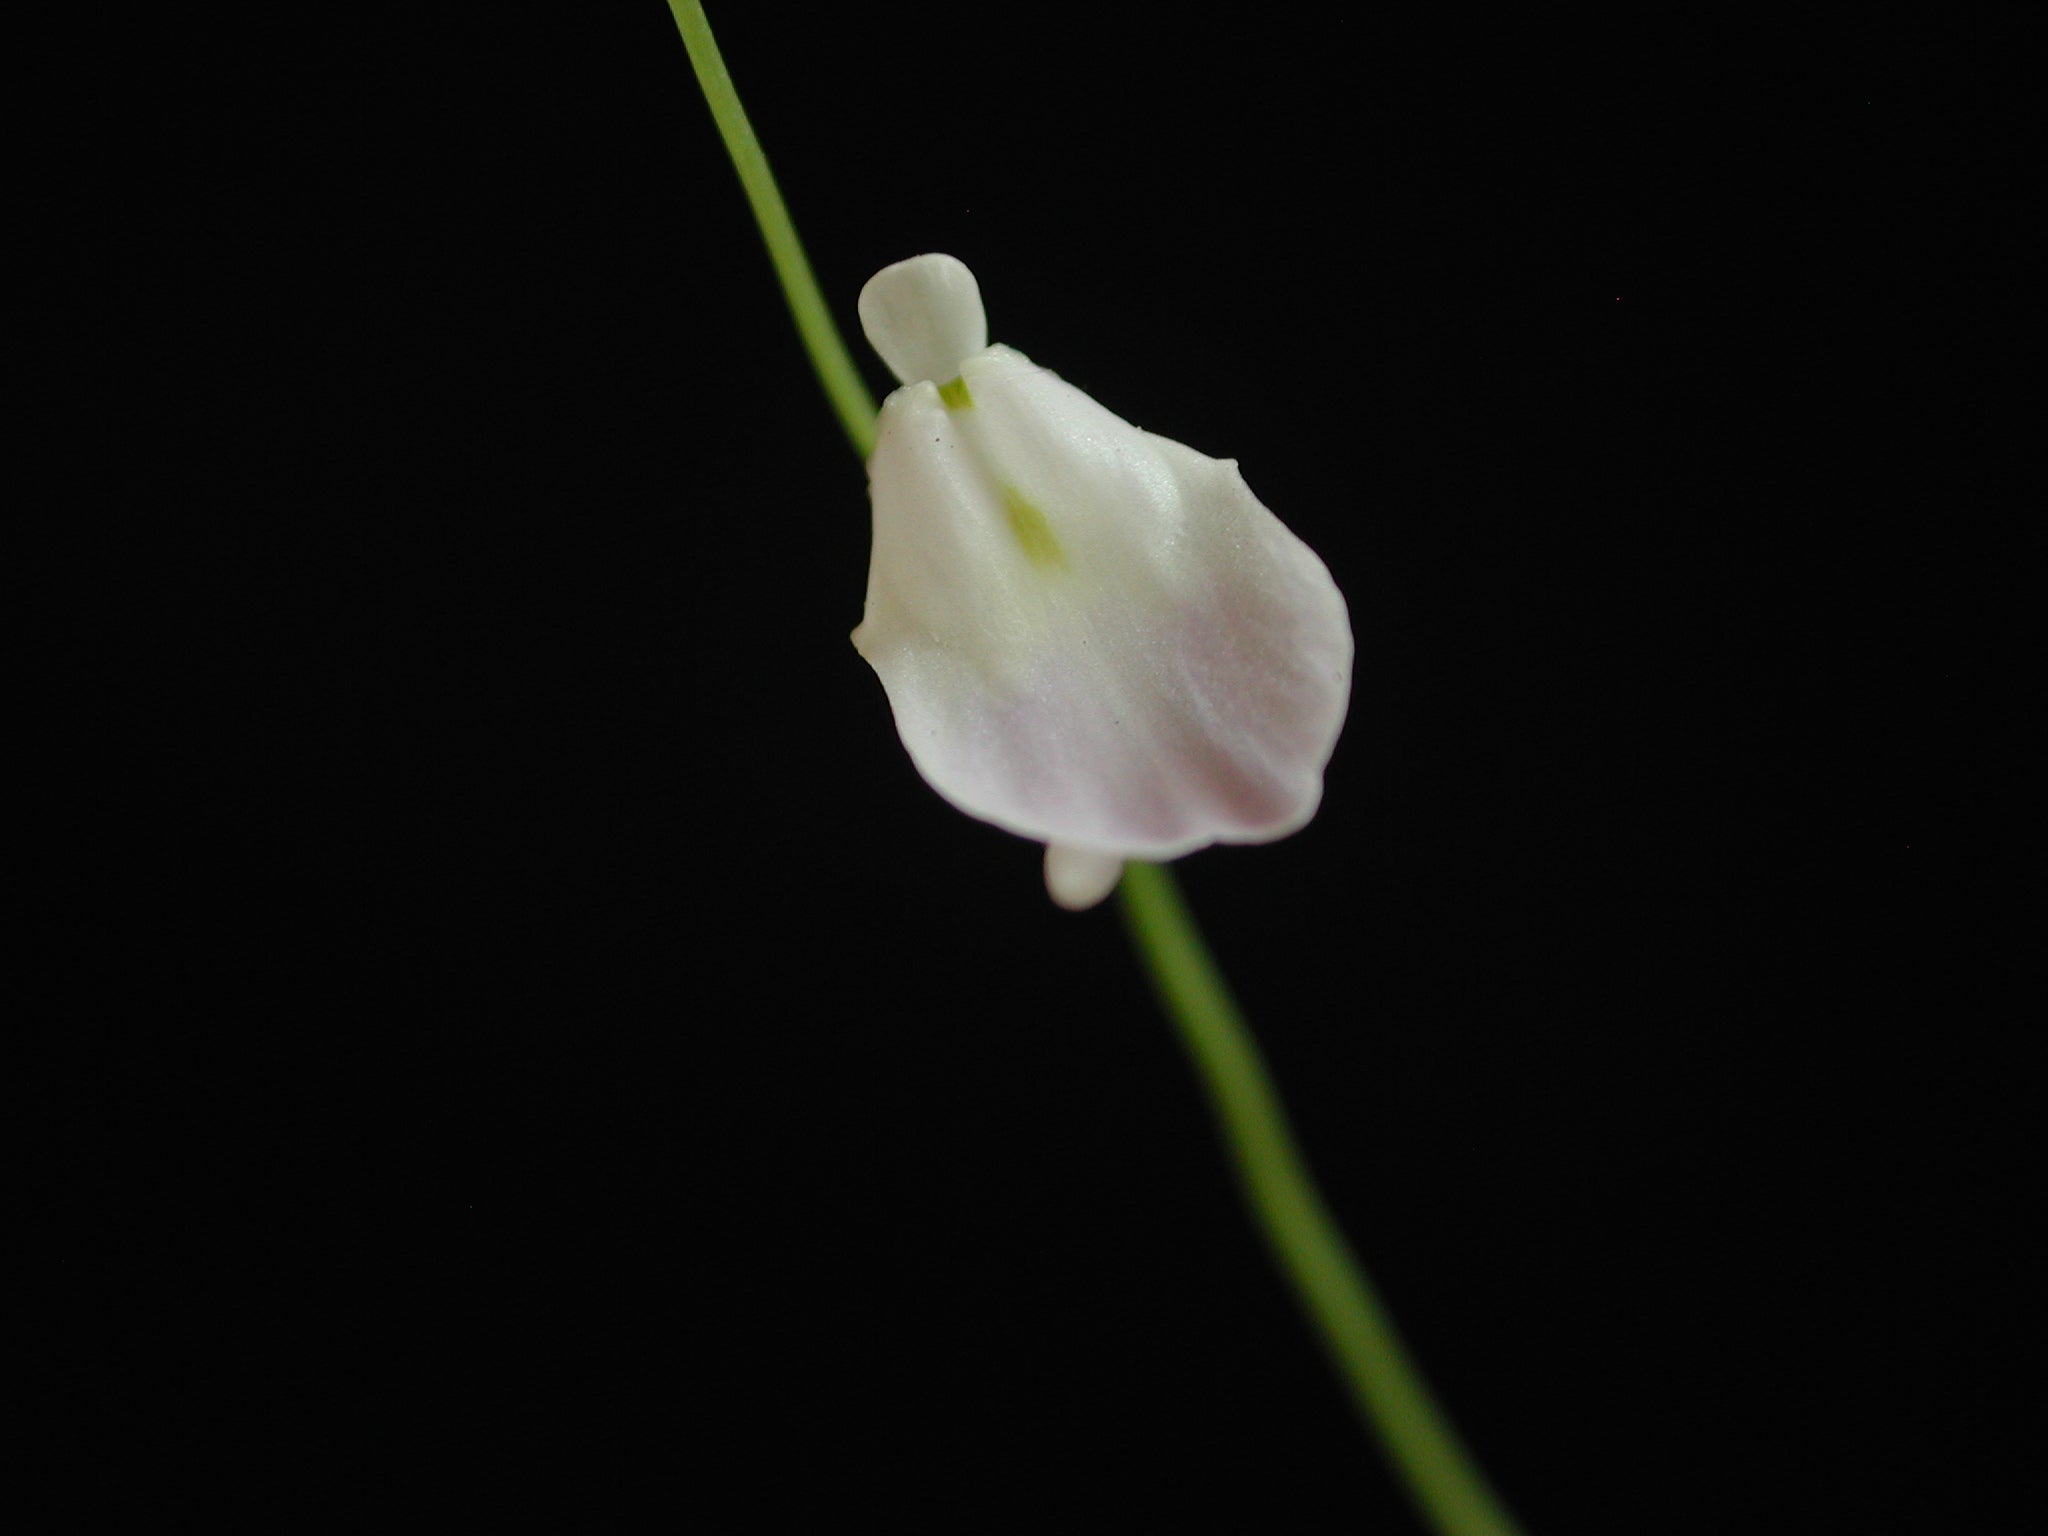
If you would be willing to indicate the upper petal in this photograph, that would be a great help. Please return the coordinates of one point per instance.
(924, 317)
(1091, 635)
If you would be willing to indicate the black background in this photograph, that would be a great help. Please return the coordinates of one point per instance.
(524, 1024)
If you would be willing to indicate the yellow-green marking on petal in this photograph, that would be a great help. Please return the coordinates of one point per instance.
(954, 393)
(1033, 533)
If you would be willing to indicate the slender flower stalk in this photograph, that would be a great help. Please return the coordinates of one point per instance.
(1392, 1399)
(834, 365)
(1386, 1387)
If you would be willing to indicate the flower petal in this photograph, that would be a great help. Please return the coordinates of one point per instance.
(924, 317)
(1078, 879)
(1090, 635)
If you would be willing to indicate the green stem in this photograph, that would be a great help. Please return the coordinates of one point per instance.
(850, 399)
(1387, 1389)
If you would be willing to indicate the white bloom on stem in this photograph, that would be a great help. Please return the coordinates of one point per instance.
(1091, 636)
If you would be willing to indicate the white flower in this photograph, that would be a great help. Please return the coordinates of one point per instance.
(1091, 636)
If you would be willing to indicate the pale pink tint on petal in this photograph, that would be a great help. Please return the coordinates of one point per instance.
(1177, 676)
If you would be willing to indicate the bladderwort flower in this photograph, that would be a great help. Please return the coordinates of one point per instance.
(1091, 636)
(1100, 639)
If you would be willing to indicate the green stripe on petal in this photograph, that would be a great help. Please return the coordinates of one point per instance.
(1033, 533)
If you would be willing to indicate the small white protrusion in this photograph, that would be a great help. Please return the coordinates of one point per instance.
(924, 317)
(1078, 878)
